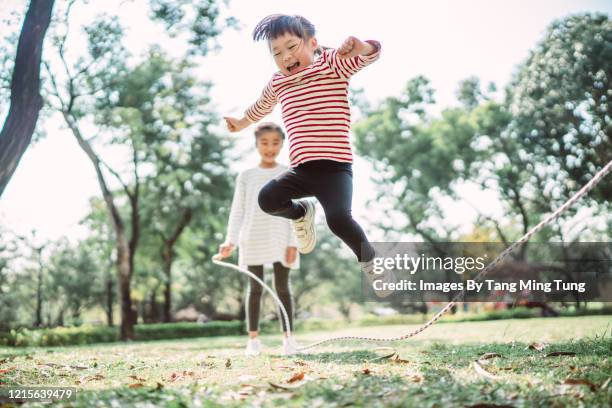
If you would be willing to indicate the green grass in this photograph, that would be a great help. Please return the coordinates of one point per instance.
(436, 368)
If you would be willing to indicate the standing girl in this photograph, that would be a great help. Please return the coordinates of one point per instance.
(313, 94)
(261, 238)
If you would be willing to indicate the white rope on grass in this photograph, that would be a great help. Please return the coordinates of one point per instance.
(585, 189)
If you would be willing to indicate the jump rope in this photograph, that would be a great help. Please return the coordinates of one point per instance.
(584, 190)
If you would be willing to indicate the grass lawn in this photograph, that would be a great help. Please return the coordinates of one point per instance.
(441, 367)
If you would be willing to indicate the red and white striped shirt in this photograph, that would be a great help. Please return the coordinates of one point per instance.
(315, 106)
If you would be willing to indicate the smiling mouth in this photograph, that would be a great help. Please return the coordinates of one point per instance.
(293, 67)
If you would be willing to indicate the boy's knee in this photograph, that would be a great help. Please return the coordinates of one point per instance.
(339, 222)
(266, 200)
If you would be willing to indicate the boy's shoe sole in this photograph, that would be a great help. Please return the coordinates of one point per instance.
(304, 228)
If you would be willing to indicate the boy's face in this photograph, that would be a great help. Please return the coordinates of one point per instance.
(269, 145)
(292, 53)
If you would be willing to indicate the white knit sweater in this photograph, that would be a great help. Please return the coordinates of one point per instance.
(261, 238)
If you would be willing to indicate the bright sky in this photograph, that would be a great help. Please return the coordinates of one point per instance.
(446, 41)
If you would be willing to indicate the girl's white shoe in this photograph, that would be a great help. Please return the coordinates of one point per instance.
(290, 347)
(253, 347)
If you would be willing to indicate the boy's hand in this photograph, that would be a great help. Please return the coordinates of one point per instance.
(353, 46)
(225, 250)
(236, 125)
(290, 255)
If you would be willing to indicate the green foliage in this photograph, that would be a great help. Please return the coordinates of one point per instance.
(200, 19)
(560, 102)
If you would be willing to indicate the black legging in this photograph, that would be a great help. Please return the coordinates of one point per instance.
(283, 290)
(331, 182)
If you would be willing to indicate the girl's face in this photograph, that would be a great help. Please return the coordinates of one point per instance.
(269, 145)
(292, 53)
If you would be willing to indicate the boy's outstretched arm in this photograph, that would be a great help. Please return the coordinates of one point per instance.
(353, 46)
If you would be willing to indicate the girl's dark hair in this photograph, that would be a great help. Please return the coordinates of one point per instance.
(276, 25)
(268, 127)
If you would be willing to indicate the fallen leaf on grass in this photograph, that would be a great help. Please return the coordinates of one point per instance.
(580, 381)
(487, 356)
(537, 346)
(87, 378)
(560, 353)
(480, 370)
(366, 371)
(136, 385)
(383, 357)
(7, 370)
(135, 377)
(296, 377)
(417, 378)
(399, 360)
(286, 387)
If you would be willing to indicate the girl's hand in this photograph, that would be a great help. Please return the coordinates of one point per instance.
(225, 250)
(290, 255)
(236, 125)
(353, 46)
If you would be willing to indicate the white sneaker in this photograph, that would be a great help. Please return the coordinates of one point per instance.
(305, 228)
(253, 347)
(386, 276)
(290, 347)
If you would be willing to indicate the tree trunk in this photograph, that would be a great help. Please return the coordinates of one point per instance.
(167, 259)
(125, 249)
(26, 101)
(109, 300)
(39, 288)
(128, 314)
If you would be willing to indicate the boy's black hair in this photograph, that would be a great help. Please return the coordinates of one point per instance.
(276, 25)
(268, 127)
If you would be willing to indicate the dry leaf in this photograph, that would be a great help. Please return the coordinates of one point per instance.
(580, 381)
(560, 353)
(487, 356)
(296, 377)
(480, 370)
(383, 357)
(399, 360)
(366, 371)
(136, 385)
(175, 377)
(287, 387)
(135, 377)
(301, 363)
(537, 346)
(417, 378)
